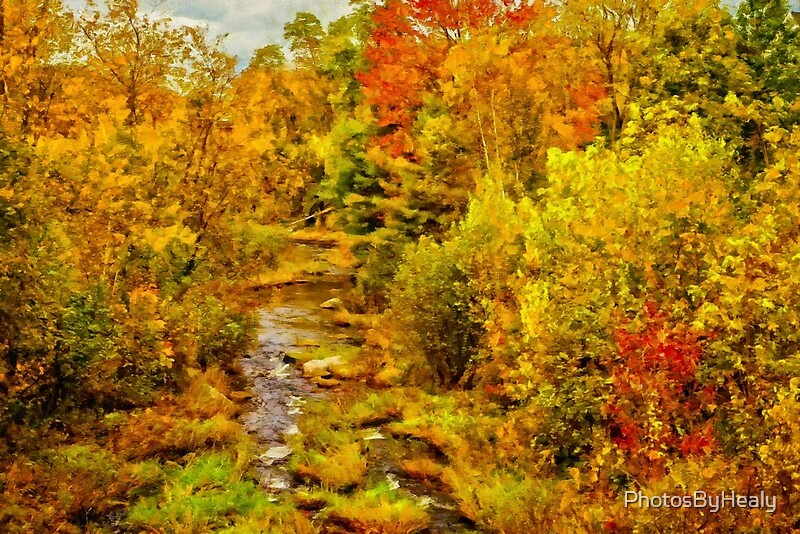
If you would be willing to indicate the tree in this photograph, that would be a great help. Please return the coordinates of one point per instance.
(136, 55)
(269, 57)
(305, 34)
(619, 33)
(33, 288)
(458, 90)
(410, 40)
(769, 44)
(510, 119)
(34, 37)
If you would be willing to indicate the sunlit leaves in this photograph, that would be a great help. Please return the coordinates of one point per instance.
(34, 39)
(134, 55)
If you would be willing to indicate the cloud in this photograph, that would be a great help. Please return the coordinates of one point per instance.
(249, 24)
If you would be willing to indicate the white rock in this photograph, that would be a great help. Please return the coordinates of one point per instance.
(393, 483)
(283, 371)
(274, 454)
(425, 501)
(279, 484)
(295, 401)
(315, 368)
(375, 434)
(335, 304)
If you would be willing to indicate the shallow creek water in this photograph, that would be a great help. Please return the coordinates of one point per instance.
(290, 321)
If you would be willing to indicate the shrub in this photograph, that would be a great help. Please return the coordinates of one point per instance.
(375, 277)
(223, 333)
(433, 304)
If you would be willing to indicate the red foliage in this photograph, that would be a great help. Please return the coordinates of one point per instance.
(410, 41)
(610, 525)
(657, 401)
(701, 441)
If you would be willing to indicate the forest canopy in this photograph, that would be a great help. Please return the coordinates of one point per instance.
(574, 233)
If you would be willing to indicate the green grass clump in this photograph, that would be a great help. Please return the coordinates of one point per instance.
(378, 509)
(504, 501)
(340, 467)
(209, 493)
(58, 488)
(376, 408)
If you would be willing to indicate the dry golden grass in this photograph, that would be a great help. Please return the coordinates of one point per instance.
(343, 467)
(422, 469)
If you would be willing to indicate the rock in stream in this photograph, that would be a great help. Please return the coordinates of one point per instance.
(291, 321)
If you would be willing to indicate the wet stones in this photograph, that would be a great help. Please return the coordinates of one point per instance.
(324, 368)
(334, 304)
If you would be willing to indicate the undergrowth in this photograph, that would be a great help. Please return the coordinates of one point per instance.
(181, 465)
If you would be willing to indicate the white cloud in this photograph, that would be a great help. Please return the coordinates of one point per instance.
(250, 24)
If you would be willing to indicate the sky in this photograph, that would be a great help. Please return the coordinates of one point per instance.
(250, 24)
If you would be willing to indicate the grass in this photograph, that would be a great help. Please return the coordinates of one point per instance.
(376, 409)
(291, 263)
(504, 501)
(182, 465)
(337, 468)
(442, 440)
(209, 494)
(376, 509)
(422, 469)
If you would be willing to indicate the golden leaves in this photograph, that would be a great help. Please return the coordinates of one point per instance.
(14, 63)
(159, 238)
(557, 123)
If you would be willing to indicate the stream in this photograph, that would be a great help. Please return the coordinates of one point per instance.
(290, 321)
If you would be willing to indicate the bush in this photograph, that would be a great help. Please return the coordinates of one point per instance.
(434, 305)
(206, 495)
(223, 333)
(375, 278)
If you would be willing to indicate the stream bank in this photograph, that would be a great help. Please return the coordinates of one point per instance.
(292, 321)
